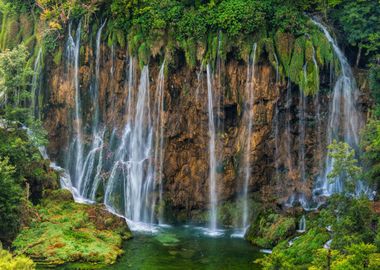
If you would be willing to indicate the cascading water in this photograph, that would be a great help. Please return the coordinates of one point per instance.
(250, 89)
(75, 156)
(288, 127)
(36, 86)
(276, 124)
(302, 224)
(90, 177)
(199, 82)
(317, 106)
(85, 170)
(302, 130)
(344, 118)
(159, 137)
(139, 156)
(212, 158)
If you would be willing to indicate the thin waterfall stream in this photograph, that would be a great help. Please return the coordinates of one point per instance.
(36, 86)
(250, 92)
(212, 166)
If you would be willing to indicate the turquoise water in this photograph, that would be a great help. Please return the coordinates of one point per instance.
(184, 248)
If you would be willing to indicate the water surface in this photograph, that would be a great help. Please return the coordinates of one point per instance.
(184, 248)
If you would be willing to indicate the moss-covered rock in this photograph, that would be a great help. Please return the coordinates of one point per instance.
(270, 228)
(65, 232)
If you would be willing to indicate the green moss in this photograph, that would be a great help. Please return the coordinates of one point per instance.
(120, 37)
(309, 78)
(64, 231)
(270, 229)
(323, 50)
(284, 43)
(57, 58)
(144, 54)
(297, 61)
(10, 34)
(190, 48)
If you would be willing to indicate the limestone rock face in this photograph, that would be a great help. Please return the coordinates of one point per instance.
(274, 143)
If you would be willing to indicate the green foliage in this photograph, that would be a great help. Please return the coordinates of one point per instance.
(370, 143)
(350, 219)
(8, 262)
(276, 261)
(374, 86)
(345, 164)
(21, 167)
(65, 231)
(10, 201)
(353, 232)
(298, 254)
(270, 228)
(357, 256)
(15, 75)
(359, 19)
(239, 17)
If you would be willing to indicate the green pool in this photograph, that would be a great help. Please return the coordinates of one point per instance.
(184, 248)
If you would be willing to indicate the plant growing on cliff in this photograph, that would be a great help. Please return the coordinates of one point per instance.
(345, 164)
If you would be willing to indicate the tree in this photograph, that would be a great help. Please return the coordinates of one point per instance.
(359, 20)
(10, 201)
(15, 76)
(345, 164)
(370, 143)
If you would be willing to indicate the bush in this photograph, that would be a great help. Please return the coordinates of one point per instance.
(10, 201)
(8, 262)
(270, 228)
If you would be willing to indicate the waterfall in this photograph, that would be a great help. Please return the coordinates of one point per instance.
(302, 224)
(36, 86)
(199, 82)
(250, 88)
(302, 129)
(159, 137)
(276, 124)
(132, 179)
(212, 165)
(288, 127)
(75, 155)
(344, 118)
(317, 106)
(88, 181)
